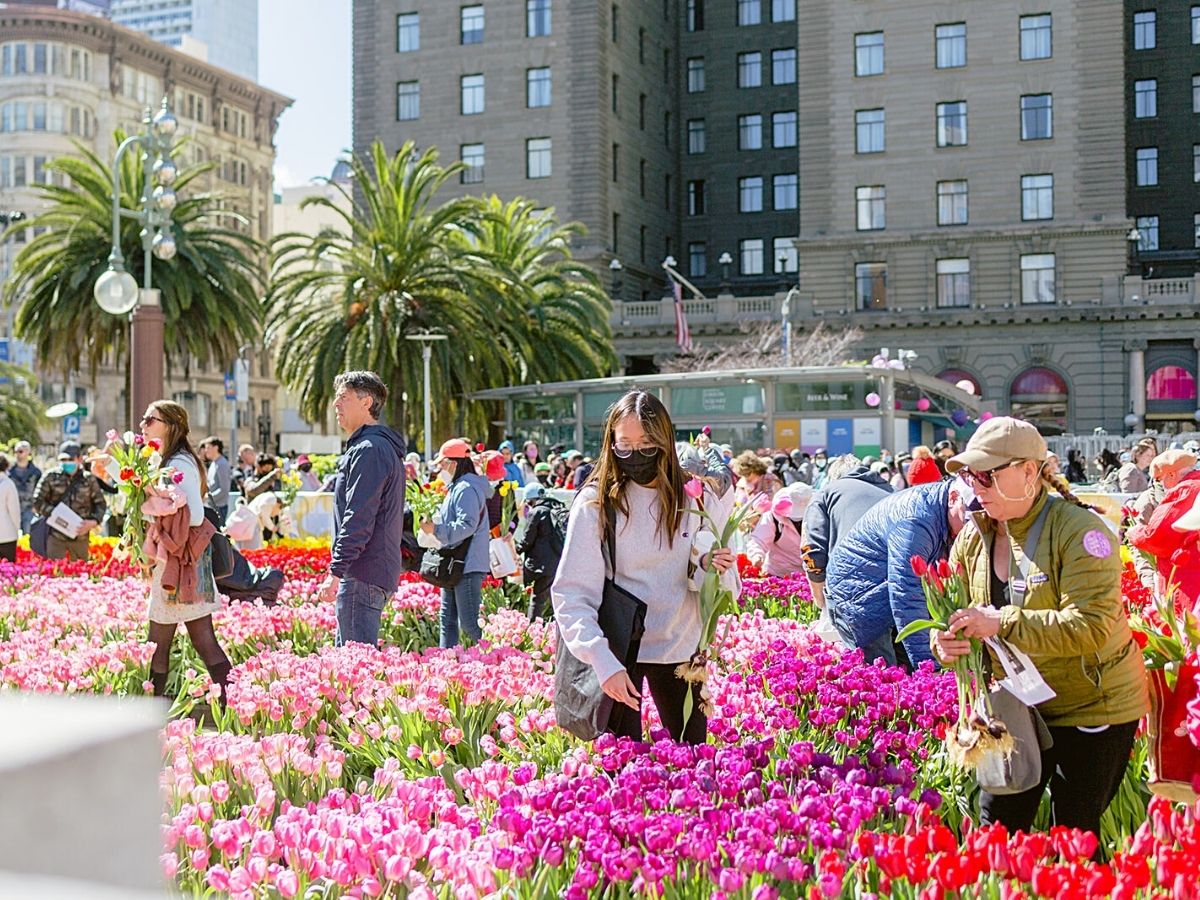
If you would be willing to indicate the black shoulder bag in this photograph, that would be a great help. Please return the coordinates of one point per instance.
(580, 704)
(445, 566)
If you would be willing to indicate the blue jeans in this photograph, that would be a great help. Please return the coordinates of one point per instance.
(359, 609)
(880, 648)
(26, 518)
(460, 610)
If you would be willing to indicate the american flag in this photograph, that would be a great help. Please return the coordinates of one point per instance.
(683, 336)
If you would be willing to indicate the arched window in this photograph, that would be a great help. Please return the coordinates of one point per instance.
(954, 376)
(1039, 395)
(1171, 383)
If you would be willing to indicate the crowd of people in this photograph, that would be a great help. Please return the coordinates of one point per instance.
(1039, 565)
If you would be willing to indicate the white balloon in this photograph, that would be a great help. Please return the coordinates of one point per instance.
(966, 385)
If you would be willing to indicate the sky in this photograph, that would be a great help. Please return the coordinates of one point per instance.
(304, 53)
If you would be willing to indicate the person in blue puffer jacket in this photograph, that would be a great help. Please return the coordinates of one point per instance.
(462, 517)
(871, 590)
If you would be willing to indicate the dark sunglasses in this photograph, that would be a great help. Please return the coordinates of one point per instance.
(986, 478)
(146, 419)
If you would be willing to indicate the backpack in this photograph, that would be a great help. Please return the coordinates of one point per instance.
(543, 558)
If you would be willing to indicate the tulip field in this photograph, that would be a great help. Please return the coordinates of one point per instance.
(415, 772)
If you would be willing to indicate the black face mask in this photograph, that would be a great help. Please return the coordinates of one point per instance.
(641, 469)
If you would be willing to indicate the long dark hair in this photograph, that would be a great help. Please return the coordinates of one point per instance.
(610, 481)
(175, 417)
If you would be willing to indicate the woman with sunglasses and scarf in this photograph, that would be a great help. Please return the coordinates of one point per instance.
(1062, 607)
(662, 552)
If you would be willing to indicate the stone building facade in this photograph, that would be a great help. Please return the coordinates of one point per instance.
(69, 77)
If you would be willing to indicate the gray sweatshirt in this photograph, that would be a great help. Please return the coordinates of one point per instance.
(646, 567)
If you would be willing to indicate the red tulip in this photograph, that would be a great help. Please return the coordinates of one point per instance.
(919, 566)
(943, 569)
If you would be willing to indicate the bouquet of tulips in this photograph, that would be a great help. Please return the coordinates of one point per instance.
(139, 468)
(423, 499)
(508, 506)
(715, 599)
(977, 736)
(289, 487)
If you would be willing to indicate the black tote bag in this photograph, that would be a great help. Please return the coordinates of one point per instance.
(580, 705)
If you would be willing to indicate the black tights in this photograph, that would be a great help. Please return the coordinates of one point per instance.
(203, 638)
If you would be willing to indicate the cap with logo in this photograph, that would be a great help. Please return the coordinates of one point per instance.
(998, 441)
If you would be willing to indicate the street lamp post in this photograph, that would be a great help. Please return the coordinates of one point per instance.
(427, 338)
(116, 291)
(786, 314)
(7, 218)
(1134, 240)
(726, 261)
(615, 266)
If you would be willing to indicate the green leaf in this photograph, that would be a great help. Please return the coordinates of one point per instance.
(919, 625)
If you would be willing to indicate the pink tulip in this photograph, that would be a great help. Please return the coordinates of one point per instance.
(287, 883)
(694, 488)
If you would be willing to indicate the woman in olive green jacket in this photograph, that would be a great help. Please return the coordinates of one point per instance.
(1071, 624)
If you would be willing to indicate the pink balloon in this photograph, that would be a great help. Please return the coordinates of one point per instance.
(985, 416)
(872, 399)
(923, 404)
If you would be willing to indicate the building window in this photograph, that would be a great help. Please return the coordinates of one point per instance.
(642, 112)
(1196, 24)
(1147, 227)
(783, 129)
(750, 132)
(1145, 99)
(749, 70)
(1036, 37)
(614, 21)
(695, 74)
(697, 259)
(1147, 166)
(616, 232)
(537, 18)
(1037, 117)
(869, 131)
(616, 84)
(408, 101)
(537, 158)
(750, 194)
(749, 12)
(642, 232)
(472, 157)
(667, 128)
(950, 45)
(1196, 93)
(783, 66)
(616, 155)
(783, 10)
(696, 198)
(953, 283)
(870, 285)
(472, 94)
(697, 136)
(537, 87)
(1144, 26)
(408, 32)
(870, 202)
(787, 191)
(642, 169)
(1196, 228)
(785, 255)
(667, 191)
(471, 24)
(750, 252)
(1037, 197)
(952, 202)
(642, 46)
(1037, 278)
(694, 15)
(952, 124)
(868, 54)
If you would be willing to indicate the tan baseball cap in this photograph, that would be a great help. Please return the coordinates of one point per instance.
(998, 441)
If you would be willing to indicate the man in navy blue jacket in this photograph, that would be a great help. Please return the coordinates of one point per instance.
(368, 505)
(870, 587)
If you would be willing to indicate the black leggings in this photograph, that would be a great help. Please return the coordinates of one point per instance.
(1084, 771)
(203, 637)
(668, 691)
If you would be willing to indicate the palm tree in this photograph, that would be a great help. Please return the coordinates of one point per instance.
(559, 328)
(513, 304)
(21, 412)
(210, 290)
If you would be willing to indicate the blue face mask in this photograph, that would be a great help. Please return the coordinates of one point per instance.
(69, 468)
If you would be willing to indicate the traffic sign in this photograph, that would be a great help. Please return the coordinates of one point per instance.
(82, 412)
(71, 426)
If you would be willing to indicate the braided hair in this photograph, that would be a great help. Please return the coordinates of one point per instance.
(1060, 484)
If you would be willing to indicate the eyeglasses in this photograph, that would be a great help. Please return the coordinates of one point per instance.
(146, 419)
(986, 479)
(624, 452)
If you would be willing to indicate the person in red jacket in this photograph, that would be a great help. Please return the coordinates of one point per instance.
(1177, 553)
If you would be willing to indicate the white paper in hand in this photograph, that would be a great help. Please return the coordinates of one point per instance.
(1022, 679)
(65, 520)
